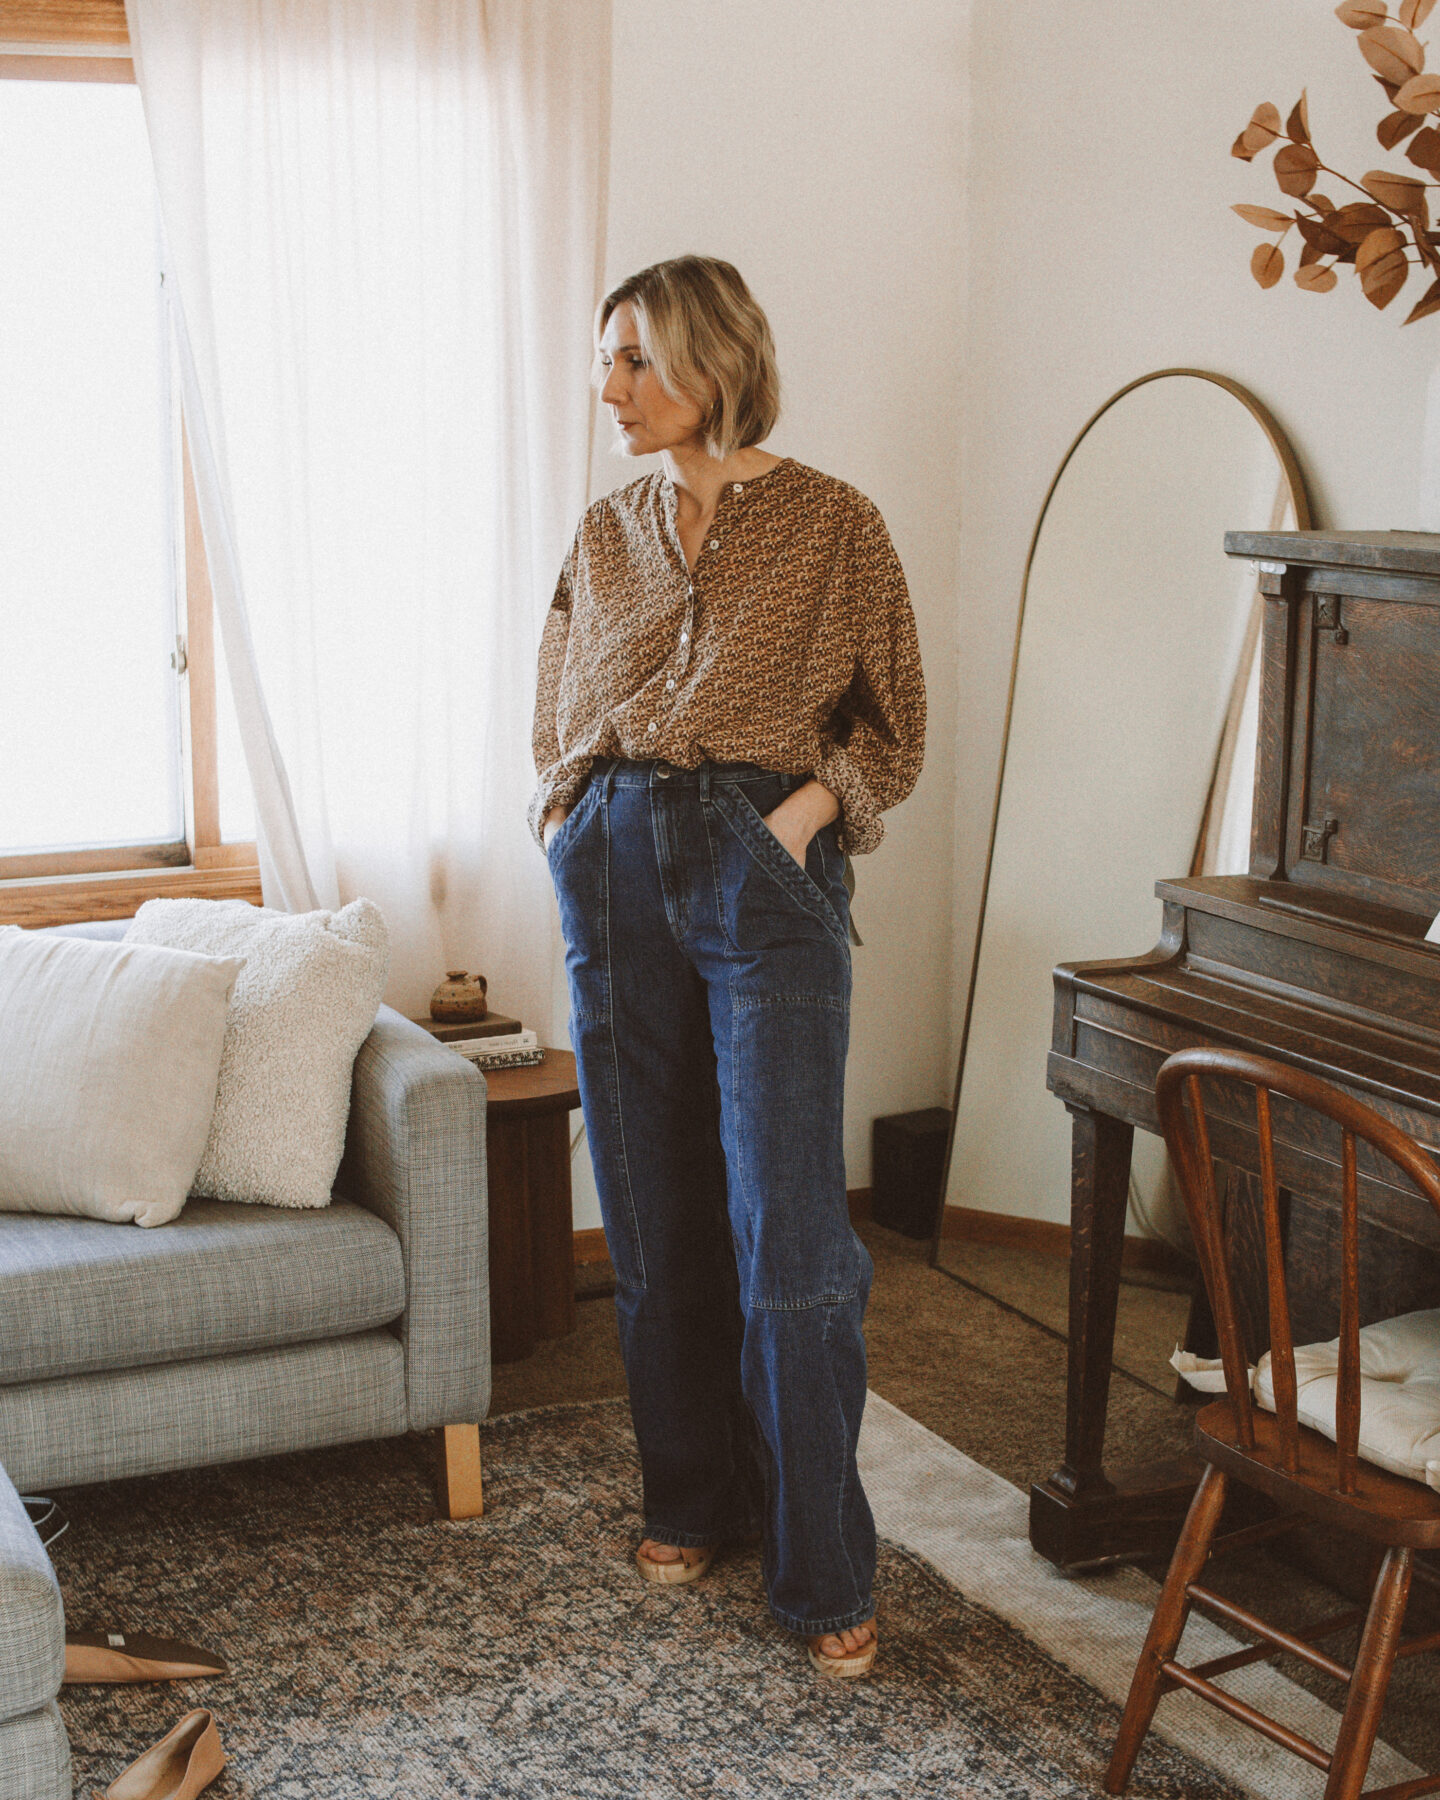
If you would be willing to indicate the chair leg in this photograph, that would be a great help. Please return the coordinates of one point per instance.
(1167, 1627)
(1373, 1662)
(461, 1492)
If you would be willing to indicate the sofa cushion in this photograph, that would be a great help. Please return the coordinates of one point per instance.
(32, 1618)
(109, 1055)
(78, 1295)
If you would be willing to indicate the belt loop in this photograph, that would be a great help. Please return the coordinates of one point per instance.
(705, 772)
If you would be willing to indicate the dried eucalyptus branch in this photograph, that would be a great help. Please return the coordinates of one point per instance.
(1370, 233)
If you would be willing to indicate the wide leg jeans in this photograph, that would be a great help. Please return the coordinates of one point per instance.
(710, 993)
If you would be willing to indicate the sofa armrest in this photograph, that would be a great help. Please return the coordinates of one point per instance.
(415, 1157)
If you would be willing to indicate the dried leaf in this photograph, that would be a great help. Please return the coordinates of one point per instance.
(1268, 219)
(1382, 266)
(1414, 13)
(1311, 253)
(1378, 244)
(1428, 303)
(1401, 193)
(1263, 129)
(1315, 278)
(1424, 152)
(1395, 127)
(1241, 149)
(1296, 166)
(1421, 94)
(1355, 222)
(1392, 52)
(1321, 202)
(1297, 126)
(1361, 15)
(1267, 264)
(1321, 239)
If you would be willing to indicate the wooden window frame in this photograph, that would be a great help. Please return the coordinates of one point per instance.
(71, 40)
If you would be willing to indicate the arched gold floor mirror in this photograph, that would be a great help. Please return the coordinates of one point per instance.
(1127, 744)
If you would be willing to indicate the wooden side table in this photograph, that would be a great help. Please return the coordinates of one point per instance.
(532, 1231)
(532, 1228)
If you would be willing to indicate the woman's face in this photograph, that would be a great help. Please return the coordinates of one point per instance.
(648, 418)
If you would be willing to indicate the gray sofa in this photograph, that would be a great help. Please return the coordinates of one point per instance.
(34, 1751)
(243, 1331)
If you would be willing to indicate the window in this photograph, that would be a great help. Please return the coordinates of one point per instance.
(112, 729)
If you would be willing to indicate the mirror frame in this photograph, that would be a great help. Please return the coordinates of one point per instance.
(1304, 521)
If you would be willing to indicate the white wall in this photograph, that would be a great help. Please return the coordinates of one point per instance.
(818, 145)
(1102, 246)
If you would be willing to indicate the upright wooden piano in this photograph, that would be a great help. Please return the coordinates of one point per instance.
(1317, 957)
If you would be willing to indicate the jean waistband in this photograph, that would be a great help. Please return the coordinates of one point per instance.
(623, 772)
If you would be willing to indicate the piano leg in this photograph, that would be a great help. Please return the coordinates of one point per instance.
(1081, 1516)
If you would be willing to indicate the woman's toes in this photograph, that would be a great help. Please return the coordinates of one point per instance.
(660, 1553)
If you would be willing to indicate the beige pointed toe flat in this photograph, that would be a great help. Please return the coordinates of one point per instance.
(180, 1766)
(116, 1656)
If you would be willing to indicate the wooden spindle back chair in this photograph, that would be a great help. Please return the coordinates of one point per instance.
(1298, 1468)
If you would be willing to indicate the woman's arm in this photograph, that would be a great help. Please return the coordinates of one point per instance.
(550, 802)
(878, 728)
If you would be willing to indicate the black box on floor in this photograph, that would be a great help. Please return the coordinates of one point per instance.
(907, 1167)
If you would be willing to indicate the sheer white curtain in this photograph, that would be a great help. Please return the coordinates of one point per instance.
(384, 222)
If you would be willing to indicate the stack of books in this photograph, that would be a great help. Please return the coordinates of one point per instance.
(513, 1050)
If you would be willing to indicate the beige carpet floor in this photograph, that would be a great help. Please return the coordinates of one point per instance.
(977, 1355)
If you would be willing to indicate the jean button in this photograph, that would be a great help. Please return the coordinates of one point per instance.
(664, 774)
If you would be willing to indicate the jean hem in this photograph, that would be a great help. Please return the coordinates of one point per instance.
(696, 1540)
(862, 1615)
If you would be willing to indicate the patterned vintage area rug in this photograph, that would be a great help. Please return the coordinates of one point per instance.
(378, 1652)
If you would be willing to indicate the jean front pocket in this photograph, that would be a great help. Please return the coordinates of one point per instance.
(767, 853)
(565, 832)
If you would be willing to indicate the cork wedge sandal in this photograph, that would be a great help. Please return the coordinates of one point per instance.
(694, 1561)
(844, 1668)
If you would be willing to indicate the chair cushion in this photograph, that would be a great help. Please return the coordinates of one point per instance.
(1399, 1391)
(78, 1295)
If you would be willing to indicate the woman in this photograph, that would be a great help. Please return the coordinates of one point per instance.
(729, 695)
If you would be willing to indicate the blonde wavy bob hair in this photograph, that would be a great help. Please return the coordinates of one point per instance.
(709, 341)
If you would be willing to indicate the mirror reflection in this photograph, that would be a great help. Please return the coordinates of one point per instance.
(1128, 758)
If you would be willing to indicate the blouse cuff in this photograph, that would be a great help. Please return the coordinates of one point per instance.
(559, 786)
(861, 827)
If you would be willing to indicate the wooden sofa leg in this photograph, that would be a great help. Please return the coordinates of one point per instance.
(461, 1496)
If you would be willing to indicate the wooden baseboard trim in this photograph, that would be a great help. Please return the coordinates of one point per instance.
(590, 1247)
(1151, 1255)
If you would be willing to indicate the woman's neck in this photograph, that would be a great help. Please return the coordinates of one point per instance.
(699, 478)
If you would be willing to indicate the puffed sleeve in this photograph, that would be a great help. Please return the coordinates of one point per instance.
(560, 783)
(876, 734)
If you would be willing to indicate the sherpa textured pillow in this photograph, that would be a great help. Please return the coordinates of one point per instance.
(302, 1007)
(109, 1055)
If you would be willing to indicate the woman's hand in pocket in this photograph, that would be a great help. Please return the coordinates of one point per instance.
(800, 815)
(552, 822)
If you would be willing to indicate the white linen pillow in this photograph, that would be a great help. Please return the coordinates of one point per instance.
(109, 1057)
(302, 1007)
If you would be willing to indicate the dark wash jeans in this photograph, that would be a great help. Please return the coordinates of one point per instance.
(710, 997)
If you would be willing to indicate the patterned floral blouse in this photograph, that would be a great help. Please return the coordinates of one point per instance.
(791, 645)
